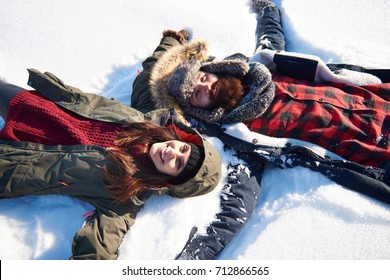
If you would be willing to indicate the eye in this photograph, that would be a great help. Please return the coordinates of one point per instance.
(203, 79)
(185, 149)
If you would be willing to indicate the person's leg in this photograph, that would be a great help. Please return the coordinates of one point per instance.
(7, 92)
(269, 32)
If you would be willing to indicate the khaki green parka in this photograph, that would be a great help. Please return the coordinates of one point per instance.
(35, 169)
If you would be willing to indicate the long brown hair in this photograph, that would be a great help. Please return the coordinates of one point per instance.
(128, 175)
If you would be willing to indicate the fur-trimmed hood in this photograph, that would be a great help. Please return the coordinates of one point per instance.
(254, 76)
(166, 64)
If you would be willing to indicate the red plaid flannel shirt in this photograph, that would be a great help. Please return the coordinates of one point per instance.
(351, 121)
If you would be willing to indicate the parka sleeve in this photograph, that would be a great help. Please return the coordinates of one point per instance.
(140, 98)
(238, 201)
(101, 235)
(167, 41)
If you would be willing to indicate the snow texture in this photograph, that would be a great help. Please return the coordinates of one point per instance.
(98, 46)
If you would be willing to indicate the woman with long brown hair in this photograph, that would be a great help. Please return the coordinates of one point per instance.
(60, 140)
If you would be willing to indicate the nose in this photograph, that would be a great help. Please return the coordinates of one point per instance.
(204, 89)
(172, 153)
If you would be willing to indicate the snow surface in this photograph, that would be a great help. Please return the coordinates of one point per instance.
(98, 46)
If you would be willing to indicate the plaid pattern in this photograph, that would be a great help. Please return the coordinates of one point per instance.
(351, 121)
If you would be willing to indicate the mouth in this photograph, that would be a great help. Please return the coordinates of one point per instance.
(163, 154)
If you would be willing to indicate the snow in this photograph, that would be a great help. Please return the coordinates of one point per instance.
(98, 46)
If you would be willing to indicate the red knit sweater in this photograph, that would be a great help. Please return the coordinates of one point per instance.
(34, 118)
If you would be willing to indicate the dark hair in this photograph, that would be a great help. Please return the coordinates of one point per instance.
(229, 95)
(128, 175)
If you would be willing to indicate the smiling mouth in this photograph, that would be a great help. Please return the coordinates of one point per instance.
(163, 153)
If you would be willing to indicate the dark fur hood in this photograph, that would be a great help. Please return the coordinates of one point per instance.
(254, 76)
(162, 70)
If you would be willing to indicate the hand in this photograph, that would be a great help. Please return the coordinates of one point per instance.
(185, 33)
(180, 36)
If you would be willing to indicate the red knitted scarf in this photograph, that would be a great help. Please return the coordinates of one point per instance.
(34, 118)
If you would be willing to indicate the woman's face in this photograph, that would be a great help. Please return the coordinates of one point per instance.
(170, 157)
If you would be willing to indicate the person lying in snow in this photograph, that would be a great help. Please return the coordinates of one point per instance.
(183, 76)
(59, 140)
(348, 115)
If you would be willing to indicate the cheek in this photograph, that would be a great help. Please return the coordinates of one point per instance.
(160, 167)
(154, 156)
(154, 161)
(152, 151)
(166, 169)
(193, 100)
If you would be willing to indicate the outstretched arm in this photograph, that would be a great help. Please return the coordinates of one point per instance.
(101, 235)
(140, 98)
(238, 200)
(170, 38)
